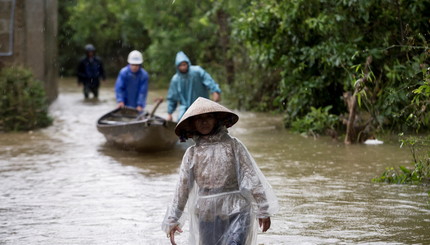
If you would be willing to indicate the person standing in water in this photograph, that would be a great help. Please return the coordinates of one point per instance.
(226, 193)
(189, 83)
(89, 72)
(131, 87)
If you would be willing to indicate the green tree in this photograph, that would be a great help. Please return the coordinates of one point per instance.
(320, 48)
(201, 29)
(174, 26)
(418, 112)
(114, 27)
(284, 55)
(159, 28)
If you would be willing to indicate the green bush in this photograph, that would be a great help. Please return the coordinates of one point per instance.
(23, 104)
(316, 122)
(419, 173)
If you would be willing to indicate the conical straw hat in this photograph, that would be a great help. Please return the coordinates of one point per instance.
(185, 126)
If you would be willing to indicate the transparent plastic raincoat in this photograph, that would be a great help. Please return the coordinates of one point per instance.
(224, 190)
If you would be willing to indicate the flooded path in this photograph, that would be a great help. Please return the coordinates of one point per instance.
(64, 185)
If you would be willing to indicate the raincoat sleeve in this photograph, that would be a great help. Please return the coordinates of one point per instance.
(253, 184)
(208, 81)
(120, 87)
(174, 212)
(143, 91)
(172, 96)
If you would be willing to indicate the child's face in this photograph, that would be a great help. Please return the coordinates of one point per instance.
(204, 123)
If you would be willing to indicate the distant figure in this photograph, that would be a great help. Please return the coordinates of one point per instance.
(90, 69)
(131, 86)
(226, 193)
(189, 83)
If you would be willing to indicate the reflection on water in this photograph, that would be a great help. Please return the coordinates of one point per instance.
(64, 185)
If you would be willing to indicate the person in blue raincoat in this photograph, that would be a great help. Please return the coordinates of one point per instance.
(131, 86)
(189, 83)
(90, 70)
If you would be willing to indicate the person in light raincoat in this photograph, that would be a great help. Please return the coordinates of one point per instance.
(189, 83)
(131, 87)
(226, 193)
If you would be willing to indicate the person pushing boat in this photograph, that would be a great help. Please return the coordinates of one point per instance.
(131, 87)
(189, 83)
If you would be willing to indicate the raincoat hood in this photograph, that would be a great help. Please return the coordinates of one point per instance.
(181, 57)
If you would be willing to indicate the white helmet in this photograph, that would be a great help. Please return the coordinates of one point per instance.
(135, 58)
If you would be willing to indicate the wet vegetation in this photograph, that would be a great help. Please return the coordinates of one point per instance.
(318, 121)
(419, 172)
(365, 60)
(23, 104)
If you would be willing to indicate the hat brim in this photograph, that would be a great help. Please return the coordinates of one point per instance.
(186, 127)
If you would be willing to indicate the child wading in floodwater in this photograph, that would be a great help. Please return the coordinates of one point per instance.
(225, 190)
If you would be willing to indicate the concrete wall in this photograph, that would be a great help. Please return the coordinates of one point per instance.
(34, 39)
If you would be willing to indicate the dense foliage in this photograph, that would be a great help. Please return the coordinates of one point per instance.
(289, 56)
(23, 104)
(158, 28)
(316, 122)
(114, 27)
(321, 47)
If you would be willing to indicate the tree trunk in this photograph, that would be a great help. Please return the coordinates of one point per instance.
(224, 40)
(351, 100)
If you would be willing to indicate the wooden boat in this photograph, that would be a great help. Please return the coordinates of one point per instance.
(127, 129)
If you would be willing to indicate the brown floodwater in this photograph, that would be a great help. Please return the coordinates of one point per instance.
(64, 185)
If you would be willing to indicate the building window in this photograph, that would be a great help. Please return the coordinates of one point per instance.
(7, 9)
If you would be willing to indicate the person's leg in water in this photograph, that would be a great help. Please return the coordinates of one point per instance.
(95, 91)
(232, 231)
(86, 89)
(238, 229)
(211, 232)
(93, 87)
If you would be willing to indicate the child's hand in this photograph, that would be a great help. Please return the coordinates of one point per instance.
(264, 224)
(172, 234)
